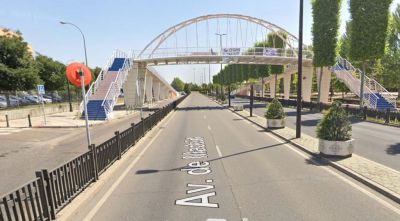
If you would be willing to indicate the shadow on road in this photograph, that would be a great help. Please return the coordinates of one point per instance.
(393, 149)
(149, 171)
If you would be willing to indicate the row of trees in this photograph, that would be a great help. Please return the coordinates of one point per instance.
(238, 73)
(20, 71)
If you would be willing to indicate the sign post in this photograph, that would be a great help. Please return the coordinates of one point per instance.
(41, 91)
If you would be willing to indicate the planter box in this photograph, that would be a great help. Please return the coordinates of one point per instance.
(275, 123)
(336, 148)
(237, 107)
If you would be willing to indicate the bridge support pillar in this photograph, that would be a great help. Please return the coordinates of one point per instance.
(149, 87)
(286, 86)
(307, 83)
(156, 89)
(130, 88)
(141, 82)
(325, 83)
(272, 86)
(163, 92)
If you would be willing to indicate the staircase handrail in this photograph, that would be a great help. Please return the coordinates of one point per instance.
(370, 83)
(354, 83)
(115, 88)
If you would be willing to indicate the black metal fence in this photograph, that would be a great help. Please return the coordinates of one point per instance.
(386, 116)
(45, 196)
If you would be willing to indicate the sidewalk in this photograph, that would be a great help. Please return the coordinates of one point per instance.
(377, 176)
(70, 119)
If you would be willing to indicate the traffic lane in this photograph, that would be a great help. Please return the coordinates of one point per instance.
(253, 177)
(33, 149)
(270, 181)
(373, 141)
(152, 188)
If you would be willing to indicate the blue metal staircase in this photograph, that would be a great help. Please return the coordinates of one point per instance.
(383, 104)
(102, 94)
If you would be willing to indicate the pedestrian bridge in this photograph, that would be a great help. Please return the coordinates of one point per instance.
(209, 39)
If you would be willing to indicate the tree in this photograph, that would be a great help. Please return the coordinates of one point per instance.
(368, 32)
(391, 73)
(325, 34)
(51, 72)
(178, 84)
(187, 88)
(17, 70)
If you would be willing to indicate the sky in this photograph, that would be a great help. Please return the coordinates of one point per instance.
(131, 24)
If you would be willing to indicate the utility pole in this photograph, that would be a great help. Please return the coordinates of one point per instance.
(300, 72)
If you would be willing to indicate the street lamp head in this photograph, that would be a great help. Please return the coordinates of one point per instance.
(63, 23)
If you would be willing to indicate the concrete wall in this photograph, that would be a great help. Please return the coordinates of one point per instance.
(36, 111)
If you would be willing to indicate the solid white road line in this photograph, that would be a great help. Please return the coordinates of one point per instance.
(245, 219)
(218, 150)
(96, 208)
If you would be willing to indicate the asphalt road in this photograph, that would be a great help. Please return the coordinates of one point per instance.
(208, 164)
(22, 153)
(376, 142)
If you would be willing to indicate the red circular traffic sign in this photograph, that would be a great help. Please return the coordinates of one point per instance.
(73, 76)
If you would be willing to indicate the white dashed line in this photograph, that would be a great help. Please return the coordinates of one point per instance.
(205, 117)
(209, 128)
(218, 150)
(245, 219)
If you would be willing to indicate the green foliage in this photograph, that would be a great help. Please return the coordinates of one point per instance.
(325, 31)
(368, 29)
(187, 88)
(335, 125)
(274, 41)
(17, 70)
(391, 71)
(394, 30)
(178, 84)
(275, 110)
(51, 72)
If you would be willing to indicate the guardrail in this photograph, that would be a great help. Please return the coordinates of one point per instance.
(366, 113)
(46, 195)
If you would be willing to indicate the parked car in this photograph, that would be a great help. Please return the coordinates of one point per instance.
(3, 102)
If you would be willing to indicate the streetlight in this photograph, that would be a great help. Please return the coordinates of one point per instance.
(220, 45)
(83, 37)
(81, 73)
(300, 72)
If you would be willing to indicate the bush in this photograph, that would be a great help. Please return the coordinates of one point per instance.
(275, 110)
(335, 125)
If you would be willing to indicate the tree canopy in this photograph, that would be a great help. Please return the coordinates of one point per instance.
(325, 31)
(178, 84)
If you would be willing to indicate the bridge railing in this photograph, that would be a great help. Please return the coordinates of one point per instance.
(115, 87)
(95, 85)
(225, 52)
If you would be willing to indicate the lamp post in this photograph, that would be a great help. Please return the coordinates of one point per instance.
(83, 37)
(220, 45)
(300, 72)
(81, 73)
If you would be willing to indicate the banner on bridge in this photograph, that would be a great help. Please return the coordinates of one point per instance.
(228, 54)
(271, 52)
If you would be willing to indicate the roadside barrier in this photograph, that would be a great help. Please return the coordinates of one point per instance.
(43, 197)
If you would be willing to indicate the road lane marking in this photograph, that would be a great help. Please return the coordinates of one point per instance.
(245, 219)
(209, 128)
(218, 150)
(100, 203)
(205, 117)
(341, 177)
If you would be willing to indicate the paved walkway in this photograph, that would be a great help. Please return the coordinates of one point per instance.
(385, 179)
(68, 119)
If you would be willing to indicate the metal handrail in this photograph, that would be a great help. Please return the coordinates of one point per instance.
(353, 83)
(115, 87)
(216, 51)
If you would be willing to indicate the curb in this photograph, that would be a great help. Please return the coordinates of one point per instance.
(371, 184)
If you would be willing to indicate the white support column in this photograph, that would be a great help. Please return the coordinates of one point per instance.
(307, 83)
(325, 82)
(141, 83)
(130, 88)
(163, 92)
(286, 86)
(149, 87)
(272, 88)
(156, 89)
